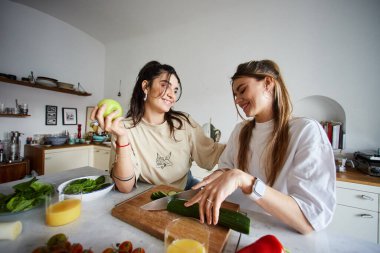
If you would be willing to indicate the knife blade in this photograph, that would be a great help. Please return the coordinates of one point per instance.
(160, 204)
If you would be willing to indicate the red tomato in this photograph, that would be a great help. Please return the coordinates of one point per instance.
(76, 248)
(125, 247)
(265, 244)
(109, 250)
(138, 250)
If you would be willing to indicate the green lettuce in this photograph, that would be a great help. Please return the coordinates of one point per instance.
(27, 195)
(85, 185)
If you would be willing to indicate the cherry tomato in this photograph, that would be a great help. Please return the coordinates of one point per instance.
(125, 247)
(138, 250)
(109, 250)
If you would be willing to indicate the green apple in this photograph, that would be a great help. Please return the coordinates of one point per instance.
(112, 105)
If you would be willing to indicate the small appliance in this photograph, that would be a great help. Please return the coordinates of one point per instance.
(368, 162)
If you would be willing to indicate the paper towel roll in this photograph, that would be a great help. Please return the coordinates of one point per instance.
(10, 230)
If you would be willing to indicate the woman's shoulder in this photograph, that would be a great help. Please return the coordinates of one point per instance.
(127, 122)
(303, 122)
(185, 118)
(306, 127)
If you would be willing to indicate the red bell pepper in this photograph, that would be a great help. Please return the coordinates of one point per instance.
(265, 244)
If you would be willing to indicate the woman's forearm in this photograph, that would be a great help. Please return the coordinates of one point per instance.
(123, 173)
(286, 209)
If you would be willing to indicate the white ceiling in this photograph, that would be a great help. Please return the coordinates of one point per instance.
(111, 20)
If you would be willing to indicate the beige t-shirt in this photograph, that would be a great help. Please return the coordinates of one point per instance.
(159, 159)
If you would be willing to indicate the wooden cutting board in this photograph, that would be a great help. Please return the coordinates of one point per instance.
(155, 222)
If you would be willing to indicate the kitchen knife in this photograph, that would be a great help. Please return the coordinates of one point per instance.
(160, 204)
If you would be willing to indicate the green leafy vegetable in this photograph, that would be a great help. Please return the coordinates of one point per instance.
(26, 196)
(86, 185)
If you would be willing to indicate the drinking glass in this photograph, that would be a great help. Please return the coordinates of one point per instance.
(186, 235)
(62, 209)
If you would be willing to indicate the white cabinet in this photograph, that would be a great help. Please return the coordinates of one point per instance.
(100, 158)
(357, 211)
(49, 160)
(66, 159)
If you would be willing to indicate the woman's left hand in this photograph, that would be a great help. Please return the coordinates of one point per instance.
(215, 192)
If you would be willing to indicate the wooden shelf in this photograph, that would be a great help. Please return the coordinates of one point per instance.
(14, 115)
(39, 86)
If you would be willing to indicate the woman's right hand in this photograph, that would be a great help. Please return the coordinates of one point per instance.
(214, 192)
(108, 124)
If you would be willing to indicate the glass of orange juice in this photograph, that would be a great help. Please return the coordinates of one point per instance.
(186, 235)
(61, 210)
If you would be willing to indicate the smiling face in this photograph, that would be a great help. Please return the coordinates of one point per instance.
(254, 97)
(162, 94)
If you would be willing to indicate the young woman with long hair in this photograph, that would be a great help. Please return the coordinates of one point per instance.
(282, 165)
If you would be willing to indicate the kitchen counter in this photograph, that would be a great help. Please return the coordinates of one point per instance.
(98, 229)
(48, 147)
(358, 177)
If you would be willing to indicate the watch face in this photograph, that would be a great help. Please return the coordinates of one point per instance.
(259, 187)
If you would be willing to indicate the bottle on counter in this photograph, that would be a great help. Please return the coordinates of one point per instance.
(2, 155)
(79, 131)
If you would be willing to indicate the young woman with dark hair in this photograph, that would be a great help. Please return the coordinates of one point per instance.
(156, 143)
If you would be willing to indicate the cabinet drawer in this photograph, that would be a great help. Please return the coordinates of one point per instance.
(359, 199)
(355, 222)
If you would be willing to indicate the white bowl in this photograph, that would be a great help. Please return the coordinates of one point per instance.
(91, 195)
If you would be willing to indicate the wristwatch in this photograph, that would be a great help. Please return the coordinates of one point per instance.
(258, 189)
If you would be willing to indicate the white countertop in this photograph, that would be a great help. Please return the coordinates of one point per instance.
(98, 229)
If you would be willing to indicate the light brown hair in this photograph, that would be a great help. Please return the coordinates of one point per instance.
(276, 149)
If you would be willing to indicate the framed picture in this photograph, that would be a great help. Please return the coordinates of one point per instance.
(88, 119)
(69, 116)
(51, 115)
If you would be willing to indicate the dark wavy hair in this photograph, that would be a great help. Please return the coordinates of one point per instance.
(149, 72)
(282, 107)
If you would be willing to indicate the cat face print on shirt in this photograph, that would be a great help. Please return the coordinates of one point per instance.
(163, 161)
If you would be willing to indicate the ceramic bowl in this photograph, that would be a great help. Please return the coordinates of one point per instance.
(91, 195)
(57, 140)
(98, 138)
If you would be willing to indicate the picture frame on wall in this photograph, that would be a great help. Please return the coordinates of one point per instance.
(69, 116)
(88, 118)
(51, 115)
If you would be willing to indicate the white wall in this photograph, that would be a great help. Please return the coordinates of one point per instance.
(326, 48)
(33, 41)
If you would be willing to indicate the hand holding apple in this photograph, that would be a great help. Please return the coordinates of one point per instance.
(107, 115)
(112, 105)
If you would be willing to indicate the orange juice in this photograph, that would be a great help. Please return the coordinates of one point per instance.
(185, 246)
(63, 212)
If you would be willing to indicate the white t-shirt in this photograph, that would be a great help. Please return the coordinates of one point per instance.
(308, 174)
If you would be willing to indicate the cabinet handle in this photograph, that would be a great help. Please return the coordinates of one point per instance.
(366, 197)
(97, 151)
(47, 158)
(106, 153)
(364, 215)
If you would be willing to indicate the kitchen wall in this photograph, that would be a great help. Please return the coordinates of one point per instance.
(327, 49)
(33, 41)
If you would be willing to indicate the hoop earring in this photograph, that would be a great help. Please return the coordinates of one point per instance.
(145, 97)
